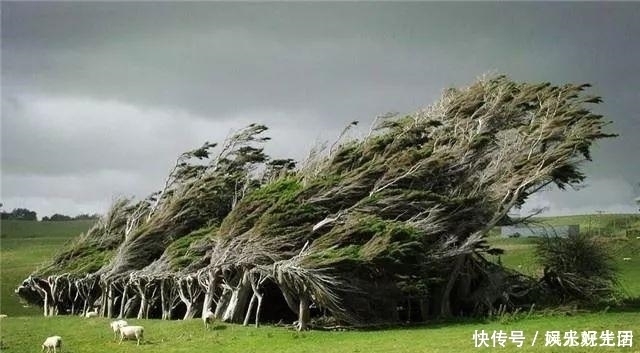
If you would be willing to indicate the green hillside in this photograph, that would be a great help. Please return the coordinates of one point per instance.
(599, 224)
(24, 245)
(13, 229)
(619, 232)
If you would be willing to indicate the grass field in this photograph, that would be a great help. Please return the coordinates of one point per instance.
(24, 245)
(519, 256)
(612, 225)
(617, 230)
(25, 334)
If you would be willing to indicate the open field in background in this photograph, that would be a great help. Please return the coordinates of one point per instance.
(611, 225)
(12, 229)
(618, 231)
(519, 255)
(25, 334)
(24, 245)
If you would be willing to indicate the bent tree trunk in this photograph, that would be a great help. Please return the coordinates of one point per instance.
(247, 316)
(143, 307)
(225, 297)
(110, 299)
(128, 308)
(304, 316)
(445, 304)
(123, 301)
(209, 282)
(258, 309)
(54, 283)
(46, 304)
(104, 298)
(189, 291)
(44, 293)
(257, 296)
(237, 302)
(166, 299)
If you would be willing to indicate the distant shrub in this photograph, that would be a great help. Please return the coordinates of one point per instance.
(20, 214)
(60, 217)
(577, 267)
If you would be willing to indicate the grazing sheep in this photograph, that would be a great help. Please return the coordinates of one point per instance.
(115, 326)
(91, 313)
(52, 342)
(626, 259)
(131, 332)
(2, 316)
(208, 318)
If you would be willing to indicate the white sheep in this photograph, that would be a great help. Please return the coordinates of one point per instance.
(131, 332)
(52, 342)
(115, 326)
(2, 316)
(626, 259)
(91, 313)
(208, 318)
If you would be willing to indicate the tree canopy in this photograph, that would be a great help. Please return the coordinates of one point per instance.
(387, 227)
(22, 214)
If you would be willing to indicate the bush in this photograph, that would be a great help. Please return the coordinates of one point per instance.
(577, 267)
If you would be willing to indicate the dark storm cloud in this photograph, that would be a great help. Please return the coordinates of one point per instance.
(96, 88)
(215, 57)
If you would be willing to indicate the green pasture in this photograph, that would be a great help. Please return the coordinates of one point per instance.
(25, 334)
(25, 245)
(617, 232)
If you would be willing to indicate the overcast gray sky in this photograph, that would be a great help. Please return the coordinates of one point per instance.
(99, 98)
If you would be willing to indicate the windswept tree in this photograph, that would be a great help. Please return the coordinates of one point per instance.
(380, 229)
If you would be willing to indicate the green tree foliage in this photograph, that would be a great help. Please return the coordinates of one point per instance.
(60, 217)
(20, 214)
